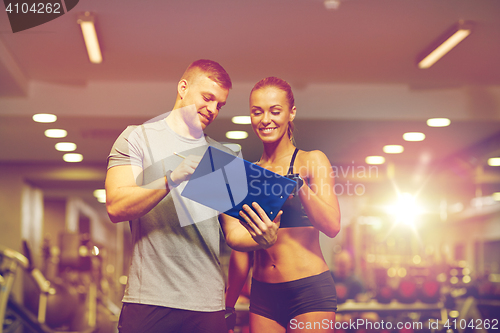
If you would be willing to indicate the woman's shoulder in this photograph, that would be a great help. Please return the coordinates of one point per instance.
(313, 156)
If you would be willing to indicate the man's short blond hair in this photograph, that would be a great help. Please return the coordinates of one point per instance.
(211, 69)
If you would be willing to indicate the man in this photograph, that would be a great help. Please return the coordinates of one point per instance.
(175, 281)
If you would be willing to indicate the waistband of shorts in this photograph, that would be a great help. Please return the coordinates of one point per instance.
(295, 283)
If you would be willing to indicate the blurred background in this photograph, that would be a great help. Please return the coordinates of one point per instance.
(420, 232)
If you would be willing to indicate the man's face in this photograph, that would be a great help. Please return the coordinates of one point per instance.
(206, 96)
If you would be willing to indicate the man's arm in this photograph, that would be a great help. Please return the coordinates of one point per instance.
(128, 199)
(125, 199)
(239, 267)
(256, 232)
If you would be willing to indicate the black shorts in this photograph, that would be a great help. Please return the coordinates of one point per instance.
(143, 318)
(284, 301)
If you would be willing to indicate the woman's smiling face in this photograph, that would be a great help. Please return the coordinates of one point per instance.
(270, 113)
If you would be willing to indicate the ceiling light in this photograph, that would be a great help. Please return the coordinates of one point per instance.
(494, 161)
(65, 146)
(86, 22)
(375, 160)
(438, 122)
(243, 120)
(100, 195)
(44, 118)
(496, 196)
(331, 4)
(72, 157)
(446, 42)
(393, 149)
(55, 133)
(414, 136)
(236, 135)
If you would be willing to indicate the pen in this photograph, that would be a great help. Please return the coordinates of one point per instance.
(181, 156)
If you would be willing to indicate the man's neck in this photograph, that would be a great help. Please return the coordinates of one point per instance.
(177, 123)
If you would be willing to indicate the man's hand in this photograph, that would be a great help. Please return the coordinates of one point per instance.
(185, 169)
(261, 228)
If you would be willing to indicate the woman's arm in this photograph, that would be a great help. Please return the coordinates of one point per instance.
(318, 194)
(257, 232)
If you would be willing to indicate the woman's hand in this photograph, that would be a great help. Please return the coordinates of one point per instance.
(261, 228)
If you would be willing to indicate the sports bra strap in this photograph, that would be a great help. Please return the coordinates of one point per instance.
(290, 168)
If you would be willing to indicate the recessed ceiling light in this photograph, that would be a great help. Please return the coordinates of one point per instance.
(55, 133)
(414, 136)
(44, 118)
(72, 157)
(393, 149)
(494, 161)
(100, 195)
(243, 120)
(65, 146)
(438, 122)
(375, 160)
(236, 135)
(331, 4)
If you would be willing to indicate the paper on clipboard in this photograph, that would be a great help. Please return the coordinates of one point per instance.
(225, 182)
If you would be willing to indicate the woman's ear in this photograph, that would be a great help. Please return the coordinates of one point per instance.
(293, 112)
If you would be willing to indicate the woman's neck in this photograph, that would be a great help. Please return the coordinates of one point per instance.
(276, 150)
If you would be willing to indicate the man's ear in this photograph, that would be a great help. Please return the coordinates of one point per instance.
(293, 112)
(182, 88)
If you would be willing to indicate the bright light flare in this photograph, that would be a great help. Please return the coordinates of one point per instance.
(406, 210)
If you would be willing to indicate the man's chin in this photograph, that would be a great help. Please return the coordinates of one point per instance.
(204, 122)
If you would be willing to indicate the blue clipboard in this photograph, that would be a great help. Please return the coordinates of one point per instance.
(226, 182)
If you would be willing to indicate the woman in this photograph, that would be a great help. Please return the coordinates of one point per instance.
(292, 288)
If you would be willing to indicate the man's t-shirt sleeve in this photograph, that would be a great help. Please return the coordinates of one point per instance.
(127, 149)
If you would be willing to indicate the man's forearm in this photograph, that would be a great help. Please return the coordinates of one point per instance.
(131, 202)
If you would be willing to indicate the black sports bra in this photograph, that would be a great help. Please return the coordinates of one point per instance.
(294, 214)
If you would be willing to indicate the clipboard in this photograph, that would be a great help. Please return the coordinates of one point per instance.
(226, 182)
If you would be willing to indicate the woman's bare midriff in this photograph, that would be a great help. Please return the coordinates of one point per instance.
(294, 256)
